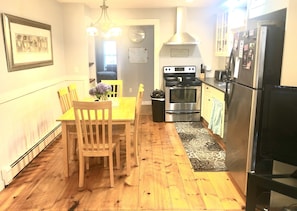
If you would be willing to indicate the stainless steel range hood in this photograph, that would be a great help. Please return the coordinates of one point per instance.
(181, 37)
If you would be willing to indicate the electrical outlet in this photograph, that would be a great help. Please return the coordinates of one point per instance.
(130, 90)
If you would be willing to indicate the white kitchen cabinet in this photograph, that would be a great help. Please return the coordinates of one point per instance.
(223, 35)
(227, 23)
(210, 93)
(206, 102)
(261, 7)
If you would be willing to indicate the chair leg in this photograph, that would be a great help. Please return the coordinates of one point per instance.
(136, 154)
(105, 162)
(70, 147)
(81, 171)
(111, 176)
(75, 150)
(87, 162)
(118, 156)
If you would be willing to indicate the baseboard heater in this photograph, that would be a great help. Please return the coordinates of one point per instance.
(9, 172)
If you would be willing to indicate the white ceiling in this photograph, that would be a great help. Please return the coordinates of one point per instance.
(146, 3)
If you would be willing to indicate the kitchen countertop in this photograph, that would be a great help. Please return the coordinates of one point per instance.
(220, 85)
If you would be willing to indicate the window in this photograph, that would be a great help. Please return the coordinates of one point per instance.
(110, 53)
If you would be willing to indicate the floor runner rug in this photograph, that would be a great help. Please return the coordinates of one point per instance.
(203, 151)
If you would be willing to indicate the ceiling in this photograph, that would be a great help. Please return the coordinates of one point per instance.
(146, 3)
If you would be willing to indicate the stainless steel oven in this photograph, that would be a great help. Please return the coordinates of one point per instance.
(182, 94)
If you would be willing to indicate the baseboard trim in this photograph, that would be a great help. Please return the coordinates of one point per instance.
(9, 172)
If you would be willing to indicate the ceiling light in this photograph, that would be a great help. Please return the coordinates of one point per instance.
(103, 24)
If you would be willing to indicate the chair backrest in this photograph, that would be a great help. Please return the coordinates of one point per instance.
(116, 87)
(94, 127)
(64, 99)
(139, 97)
(72, 89)
(140, 86)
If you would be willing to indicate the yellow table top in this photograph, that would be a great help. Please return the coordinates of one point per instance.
(123, 109)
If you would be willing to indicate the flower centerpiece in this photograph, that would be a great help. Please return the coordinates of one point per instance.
(101, 91)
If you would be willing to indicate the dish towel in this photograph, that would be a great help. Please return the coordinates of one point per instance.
(216, 117)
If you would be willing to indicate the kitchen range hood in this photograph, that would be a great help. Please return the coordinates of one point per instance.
(181, 37)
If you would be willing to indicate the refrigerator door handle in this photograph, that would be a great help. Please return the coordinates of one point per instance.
(228, 92)
(231, 66)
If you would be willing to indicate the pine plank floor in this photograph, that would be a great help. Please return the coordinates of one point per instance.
(164, 180)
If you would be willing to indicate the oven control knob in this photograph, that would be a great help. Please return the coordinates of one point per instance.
(167, 69)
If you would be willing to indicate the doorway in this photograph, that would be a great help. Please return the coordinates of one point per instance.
(123, 72)
(106, 59)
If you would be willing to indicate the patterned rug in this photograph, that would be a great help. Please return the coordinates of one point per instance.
(203, 152)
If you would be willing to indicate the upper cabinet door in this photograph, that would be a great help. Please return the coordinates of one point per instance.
(223, 34)
(227, 23)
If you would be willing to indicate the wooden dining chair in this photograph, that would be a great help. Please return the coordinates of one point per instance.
(95, 139)
(119, 129)
(116, 87)
(64, 99)
(65, 103)
(72, 89)
(136, 122)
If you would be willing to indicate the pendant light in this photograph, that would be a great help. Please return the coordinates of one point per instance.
(103, 24)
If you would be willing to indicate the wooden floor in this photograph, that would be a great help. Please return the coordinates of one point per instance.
(164, 180)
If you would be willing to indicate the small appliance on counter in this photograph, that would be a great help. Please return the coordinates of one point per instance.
(202, 71)
(220, 75)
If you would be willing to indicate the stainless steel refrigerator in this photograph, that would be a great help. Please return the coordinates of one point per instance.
(255, 62)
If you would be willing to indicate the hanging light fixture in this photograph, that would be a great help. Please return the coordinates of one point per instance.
(105, 25)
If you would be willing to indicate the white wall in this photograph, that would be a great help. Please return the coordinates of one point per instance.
(200, 23)
(76, 44)
(261, 7)
(32, 9)
(28, 99)
(29, 104)
(134, 73)
(289, 70)
(258, 8)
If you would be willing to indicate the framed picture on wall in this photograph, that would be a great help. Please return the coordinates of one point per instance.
(28, 43)
(138, 55)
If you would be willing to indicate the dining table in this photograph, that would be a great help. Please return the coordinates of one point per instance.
(123, 113)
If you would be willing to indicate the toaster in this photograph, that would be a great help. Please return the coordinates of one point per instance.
(220, 75)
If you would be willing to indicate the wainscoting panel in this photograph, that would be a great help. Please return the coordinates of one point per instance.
(9, 172)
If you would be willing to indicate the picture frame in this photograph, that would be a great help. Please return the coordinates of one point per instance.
(138, 55)
(28, 44)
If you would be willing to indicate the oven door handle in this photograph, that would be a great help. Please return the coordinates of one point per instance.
(182, 112)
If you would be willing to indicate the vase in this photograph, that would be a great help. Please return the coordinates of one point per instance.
(104, 97)
(101, 98)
